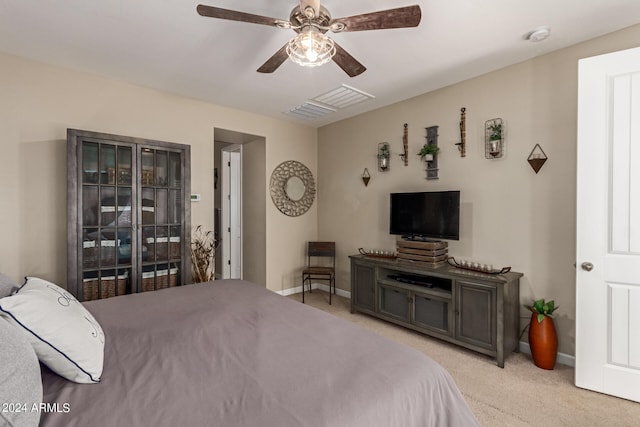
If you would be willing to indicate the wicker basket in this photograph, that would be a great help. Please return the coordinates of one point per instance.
(173, 277)
(161, 279)
(157, 248)
(92, 290)
(108, 252)
(148, 212)
(167, 278)
(148, 281)
(89, 254)
(174, 247)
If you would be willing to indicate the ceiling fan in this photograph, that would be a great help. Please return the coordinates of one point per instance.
(311, 47)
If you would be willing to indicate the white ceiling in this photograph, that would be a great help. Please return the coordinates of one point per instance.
(165, 44)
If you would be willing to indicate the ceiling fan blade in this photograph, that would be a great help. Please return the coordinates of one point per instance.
(401, 17)
(275, 61)
(234, 15)
(348, 63)
(315, 4)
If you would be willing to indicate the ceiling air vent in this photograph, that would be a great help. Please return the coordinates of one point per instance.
(343, 97)
(309, 110)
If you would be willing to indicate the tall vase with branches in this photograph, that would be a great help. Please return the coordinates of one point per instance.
(203, 253)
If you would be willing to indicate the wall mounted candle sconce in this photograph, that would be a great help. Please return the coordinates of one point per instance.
(405, 145)
(366, 177)
(462, 145)
(384, 156)
(493, 139)
(537, 158)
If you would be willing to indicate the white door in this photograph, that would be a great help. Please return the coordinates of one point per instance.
(608, 225)
(231, 215)
(235, 237)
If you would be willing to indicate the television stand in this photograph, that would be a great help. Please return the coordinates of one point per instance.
(477, 311)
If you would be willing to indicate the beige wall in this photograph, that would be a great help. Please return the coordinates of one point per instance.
(39, 102)
(509, 215)
(254, 200)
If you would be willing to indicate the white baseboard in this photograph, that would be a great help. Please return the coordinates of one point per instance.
(321, 286)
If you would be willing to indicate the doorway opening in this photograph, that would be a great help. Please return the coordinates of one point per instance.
(240, 205)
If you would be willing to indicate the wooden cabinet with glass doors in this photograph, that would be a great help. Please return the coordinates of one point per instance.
(128, 214)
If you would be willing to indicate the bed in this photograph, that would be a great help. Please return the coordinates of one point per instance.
(230, 353)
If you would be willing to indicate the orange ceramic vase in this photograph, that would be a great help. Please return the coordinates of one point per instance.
(543, 341)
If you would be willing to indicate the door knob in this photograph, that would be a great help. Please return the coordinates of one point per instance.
(587, 266)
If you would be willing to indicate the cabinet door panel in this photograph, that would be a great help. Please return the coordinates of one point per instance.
(476, 311)
(90, 163)
(124, 165)
(174, 205)
(161, 206)
(175, 170)
(147, 168)
(123, 209)
(432, 313)
(363, 289)
(162, 168)
(90, 210)
(394, 302)
(107, 164)
(148, 206)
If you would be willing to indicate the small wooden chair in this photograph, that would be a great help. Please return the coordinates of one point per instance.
(318, 270)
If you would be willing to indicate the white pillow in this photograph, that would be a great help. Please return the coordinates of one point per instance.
(65, 336)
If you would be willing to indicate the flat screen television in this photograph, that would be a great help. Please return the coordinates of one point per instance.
(426, 215)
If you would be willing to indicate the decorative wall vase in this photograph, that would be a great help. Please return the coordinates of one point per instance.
(543, 341)
(384, 156)
(494, 139)
(537, 158)
(366, 177)
(432, 165)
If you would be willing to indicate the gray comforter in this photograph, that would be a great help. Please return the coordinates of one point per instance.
(230, 353)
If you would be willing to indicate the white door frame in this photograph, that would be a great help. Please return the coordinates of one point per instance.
(608, 225)
(232, 212)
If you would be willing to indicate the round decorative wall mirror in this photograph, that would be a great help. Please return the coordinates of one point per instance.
(293, 188)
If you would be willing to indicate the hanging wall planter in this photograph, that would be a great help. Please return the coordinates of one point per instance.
(384, 156)
(366, 177)
(493, 139)
(537, 158)
(429, 152)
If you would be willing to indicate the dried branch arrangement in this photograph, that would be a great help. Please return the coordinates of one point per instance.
(203, 253)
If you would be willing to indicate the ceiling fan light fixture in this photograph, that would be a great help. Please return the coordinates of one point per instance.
(311, 48)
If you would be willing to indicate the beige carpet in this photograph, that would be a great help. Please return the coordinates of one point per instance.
(518, 395)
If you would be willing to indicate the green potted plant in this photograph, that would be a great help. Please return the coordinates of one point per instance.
(543, 338)
(495, 131)
(427, 152)
(495, 137)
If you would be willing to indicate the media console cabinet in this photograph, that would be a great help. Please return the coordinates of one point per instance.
(474, 310)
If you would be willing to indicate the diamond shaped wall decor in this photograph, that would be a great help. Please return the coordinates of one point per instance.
(537, 158)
